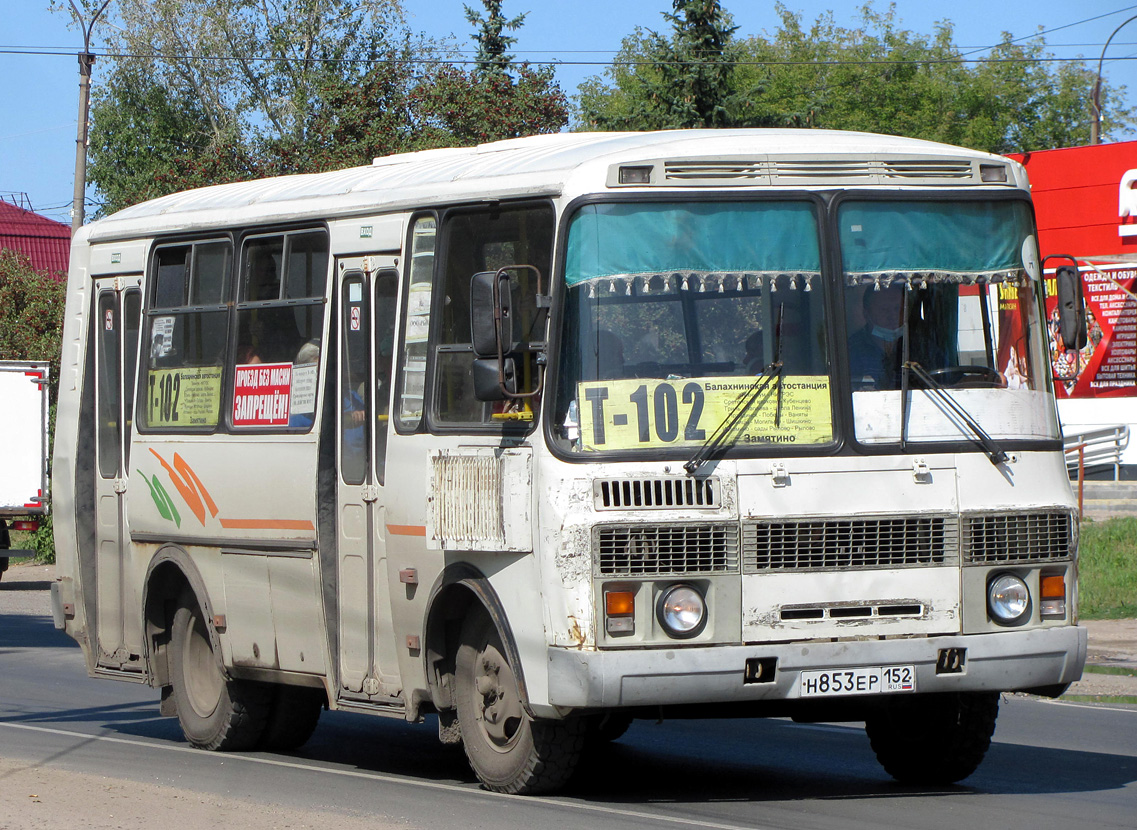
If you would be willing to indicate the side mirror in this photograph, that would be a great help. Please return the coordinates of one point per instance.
(491, 317)
(491, 386)
(1071, 307)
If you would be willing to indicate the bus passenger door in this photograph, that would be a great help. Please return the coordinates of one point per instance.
(118, 305)
(367, 659)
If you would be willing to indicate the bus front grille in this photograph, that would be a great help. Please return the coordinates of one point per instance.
(997, 538)
(879, 542)
(655, 493)
(661, 550)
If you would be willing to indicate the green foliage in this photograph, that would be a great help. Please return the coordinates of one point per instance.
(876, 77)
(230, 91)
(490, 36)
(31, 311)
(461, 108)
(1107, 572)
(685, 80)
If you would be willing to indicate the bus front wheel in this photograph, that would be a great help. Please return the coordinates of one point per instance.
(509, 751)
(935, 739)
(215, 712)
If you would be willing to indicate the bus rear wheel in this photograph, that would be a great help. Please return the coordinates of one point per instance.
(509, 751)
(937, 739)
(215, 712)
(293, 717)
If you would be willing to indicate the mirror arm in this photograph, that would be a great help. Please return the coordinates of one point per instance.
(543, 302)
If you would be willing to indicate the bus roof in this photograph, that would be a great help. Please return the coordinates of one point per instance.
(540, 165)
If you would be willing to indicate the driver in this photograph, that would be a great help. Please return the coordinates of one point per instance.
(875, 349)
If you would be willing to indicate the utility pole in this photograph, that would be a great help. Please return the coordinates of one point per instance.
(86, 61)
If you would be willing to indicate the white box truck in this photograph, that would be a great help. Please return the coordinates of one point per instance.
(23, 450)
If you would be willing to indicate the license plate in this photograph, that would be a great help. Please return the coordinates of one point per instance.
(867, 680)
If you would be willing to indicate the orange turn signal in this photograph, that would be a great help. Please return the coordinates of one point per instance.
(620, 603)
(1053, 586)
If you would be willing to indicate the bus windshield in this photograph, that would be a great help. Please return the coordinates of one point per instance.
(943, 296)
(675, 310)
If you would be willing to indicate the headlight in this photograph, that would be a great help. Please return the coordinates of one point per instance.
(682, 611)
(1008, 599)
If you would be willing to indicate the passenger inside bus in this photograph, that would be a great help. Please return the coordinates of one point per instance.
(875, 349)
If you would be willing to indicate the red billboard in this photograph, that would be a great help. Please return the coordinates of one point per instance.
(1086, 208)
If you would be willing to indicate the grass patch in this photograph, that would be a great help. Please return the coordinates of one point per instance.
(1128, 699)
(1107, 575)
(1118, 671)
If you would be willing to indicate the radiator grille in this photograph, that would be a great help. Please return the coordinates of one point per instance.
(886, 542)
(1021, 537)
(667, 549)
(655, 493)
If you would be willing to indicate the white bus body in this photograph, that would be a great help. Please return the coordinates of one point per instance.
(280, 482)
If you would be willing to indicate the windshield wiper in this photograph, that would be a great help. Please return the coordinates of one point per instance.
(984, 441)
(733, 422)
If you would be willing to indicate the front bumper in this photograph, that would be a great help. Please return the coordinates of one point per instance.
(1002, 661)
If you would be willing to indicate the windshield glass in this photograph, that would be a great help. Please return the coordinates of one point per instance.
(672, 311)
(950, 287)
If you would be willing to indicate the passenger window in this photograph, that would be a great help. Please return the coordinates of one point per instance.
(186, 332)
(386, 292)
(280, 318)
(355, 390)
(486, 240)
(416, 332)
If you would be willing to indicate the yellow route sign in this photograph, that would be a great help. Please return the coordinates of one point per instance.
(685, 412)
(186, 396)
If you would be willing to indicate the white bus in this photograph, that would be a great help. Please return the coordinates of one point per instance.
(545, 435)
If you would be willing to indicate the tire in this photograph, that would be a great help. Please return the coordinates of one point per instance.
(215, 713)
(508, 751)
(938, 739)
(293, 717)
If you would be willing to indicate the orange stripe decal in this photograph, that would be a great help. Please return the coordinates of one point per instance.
(267, 524)
(407, 530)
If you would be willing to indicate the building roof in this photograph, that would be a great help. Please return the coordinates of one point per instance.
(44, 241)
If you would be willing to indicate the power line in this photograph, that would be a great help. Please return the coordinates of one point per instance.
(554, 63)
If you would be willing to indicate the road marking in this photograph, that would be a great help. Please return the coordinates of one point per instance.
(390, 779)
(1097, 707)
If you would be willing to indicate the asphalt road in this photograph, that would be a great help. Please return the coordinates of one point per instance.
(1053, 765)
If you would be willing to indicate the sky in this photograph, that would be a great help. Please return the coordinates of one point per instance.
(39, 94)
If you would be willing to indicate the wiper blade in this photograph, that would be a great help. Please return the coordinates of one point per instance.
(993, 451)
(733, 422)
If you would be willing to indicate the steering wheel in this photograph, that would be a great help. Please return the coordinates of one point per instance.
(969, 376)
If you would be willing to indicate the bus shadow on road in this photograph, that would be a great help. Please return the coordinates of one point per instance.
(730, 760)
(31, 631)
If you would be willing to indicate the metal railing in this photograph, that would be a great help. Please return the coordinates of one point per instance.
(1096, 448)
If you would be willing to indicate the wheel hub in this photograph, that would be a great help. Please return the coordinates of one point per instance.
(499, 707)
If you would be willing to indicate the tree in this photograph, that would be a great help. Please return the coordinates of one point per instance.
(31, 311)
(492, 42)
(209, 91)
(876, 77)
(685, 80)
(212, 91)
(498, 99)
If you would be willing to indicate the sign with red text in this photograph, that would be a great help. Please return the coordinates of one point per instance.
(1085, 201)
(261, 395)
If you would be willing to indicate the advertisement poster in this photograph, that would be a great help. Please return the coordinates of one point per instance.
(261, 395)
(1107, 366)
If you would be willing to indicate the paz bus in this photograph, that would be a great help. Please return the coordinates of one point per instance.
(545, 435)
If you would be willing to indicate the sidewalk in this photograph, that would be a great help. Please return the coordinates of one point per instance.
(26, 589)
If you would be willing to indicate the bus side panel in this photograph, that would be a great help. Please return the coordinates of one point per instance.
(72, 471)
(245, 510)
